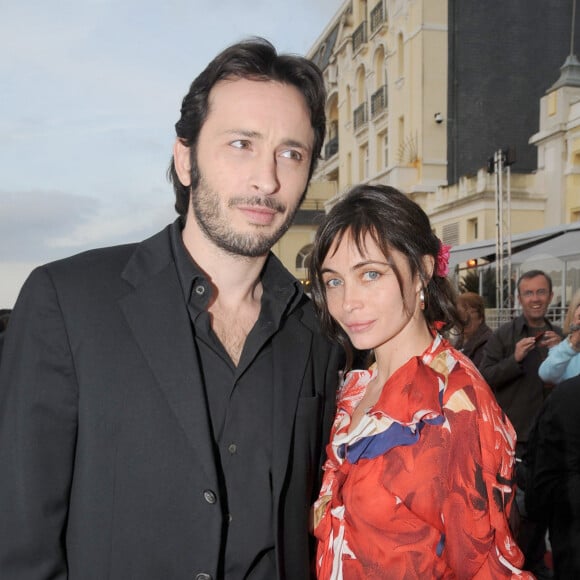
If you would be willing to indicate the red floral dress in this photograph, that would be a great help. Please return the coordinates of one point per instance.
(422, 487)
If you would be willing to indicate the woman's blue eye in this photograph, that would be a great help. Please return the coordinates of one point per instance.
(332, 283)
(372, 275)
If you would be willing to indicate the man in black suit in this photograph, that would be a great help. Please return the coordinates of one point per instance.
(553, 488)
(165, 405)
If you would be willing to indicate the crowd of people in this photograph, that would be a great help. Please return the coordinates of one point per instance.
(180, 408)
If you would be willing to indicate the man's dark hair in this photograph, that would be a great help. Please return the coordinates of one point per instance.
(253, 59)
(533, 274)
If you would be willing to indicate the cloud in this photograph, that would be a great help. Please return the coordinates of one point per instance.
(41, 226)
(38, 226)
(29, 219)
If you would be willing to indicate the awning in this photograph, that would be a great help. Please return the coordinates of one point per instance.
(486, 249)
(564, 246)
(464, 252)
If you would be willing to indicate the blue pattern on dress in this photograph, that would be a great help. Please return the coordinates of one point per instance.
(396, 435)
(440, 546)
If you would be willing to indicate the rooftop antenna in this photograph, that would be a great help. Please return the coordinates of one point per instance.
(573, 24)
(570, 70)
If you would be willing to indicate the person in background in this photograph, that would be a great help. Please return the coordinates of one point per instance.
(419, 477)
(4, 316)
(164, 405)
(475, 333)
(554, 462)
(512, 357)
(563, 361)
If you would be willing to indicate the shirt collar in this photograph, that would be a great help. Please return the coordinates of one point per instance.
(280, 287)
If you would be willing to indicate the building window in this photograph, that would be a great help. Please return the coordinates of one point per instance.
(303, 256)
(331, 147)
(386, 149)
(360, 116)
(382, 149)
(472, 230)
(400, 55)
(377, 16)
(451, 234)
(379, 101)
(359, 36)
(364, 162)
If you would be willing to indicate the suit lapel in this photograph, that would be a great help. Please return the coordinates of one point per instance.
(158, 317)
(290, 354)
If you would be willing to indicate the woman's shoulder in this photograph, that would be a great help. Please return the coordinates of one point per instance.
(465, 375)
(356, 377)
(354, 380)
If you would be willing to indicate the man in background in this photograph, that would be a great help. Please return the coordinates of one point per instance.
(553, 494)
(4, 316)
(512, 356)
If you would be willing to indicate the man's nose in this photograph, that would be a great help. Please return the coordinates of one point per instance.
(265, 174)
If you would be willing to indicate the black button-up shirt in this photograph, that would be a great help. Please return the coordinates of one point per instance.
(240, 402)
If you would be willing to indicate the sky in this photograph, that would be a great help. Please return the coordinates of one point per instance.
(90, 91)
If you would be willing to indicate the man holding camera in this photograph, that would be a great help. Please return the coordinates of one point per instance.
(510, 365)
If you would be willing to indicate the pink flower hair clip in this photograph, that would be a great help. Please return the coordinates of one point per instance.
(442, 267)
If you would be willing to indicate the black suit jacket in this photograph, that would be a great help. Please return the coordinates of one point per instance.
(553, 484)
(107, 469)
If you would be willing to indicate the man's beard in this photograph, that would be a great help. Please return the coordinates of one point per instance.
(216, 227)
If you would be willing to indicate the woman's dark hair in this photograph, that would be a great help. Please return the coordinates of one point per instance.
(253, 59)
(393, 221)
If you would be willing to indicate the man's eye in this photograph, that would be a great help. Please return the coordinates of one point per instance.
(240, 144)
(292, 154)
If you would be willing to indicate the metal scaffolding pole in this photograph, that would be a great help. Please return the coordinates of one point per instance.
(497, 170)
(503, 240)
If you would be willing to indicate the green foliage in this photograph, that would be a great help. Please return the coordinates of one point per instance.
(470, 283)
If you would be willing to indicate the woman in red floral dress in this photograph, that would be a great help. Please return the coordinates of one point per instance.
(419, 480)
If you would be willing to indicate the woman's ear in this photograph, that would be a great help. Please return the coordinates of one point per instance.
(428, 267)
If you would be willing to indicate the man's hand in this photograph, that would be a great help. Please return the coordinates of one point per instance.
(551, 339)
(523, 347)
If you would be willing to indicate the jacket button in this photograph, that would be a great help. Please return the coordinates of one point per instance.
(210, 497)
(203, 576)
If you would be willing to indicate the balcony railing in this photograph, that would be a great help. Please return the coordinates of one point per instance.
(360, 116)
(359, 36)
(379, 102)
(377, 16)
(331, 148)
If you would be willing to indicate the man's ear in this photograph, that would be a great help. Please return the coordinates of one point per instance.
(182, 161)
